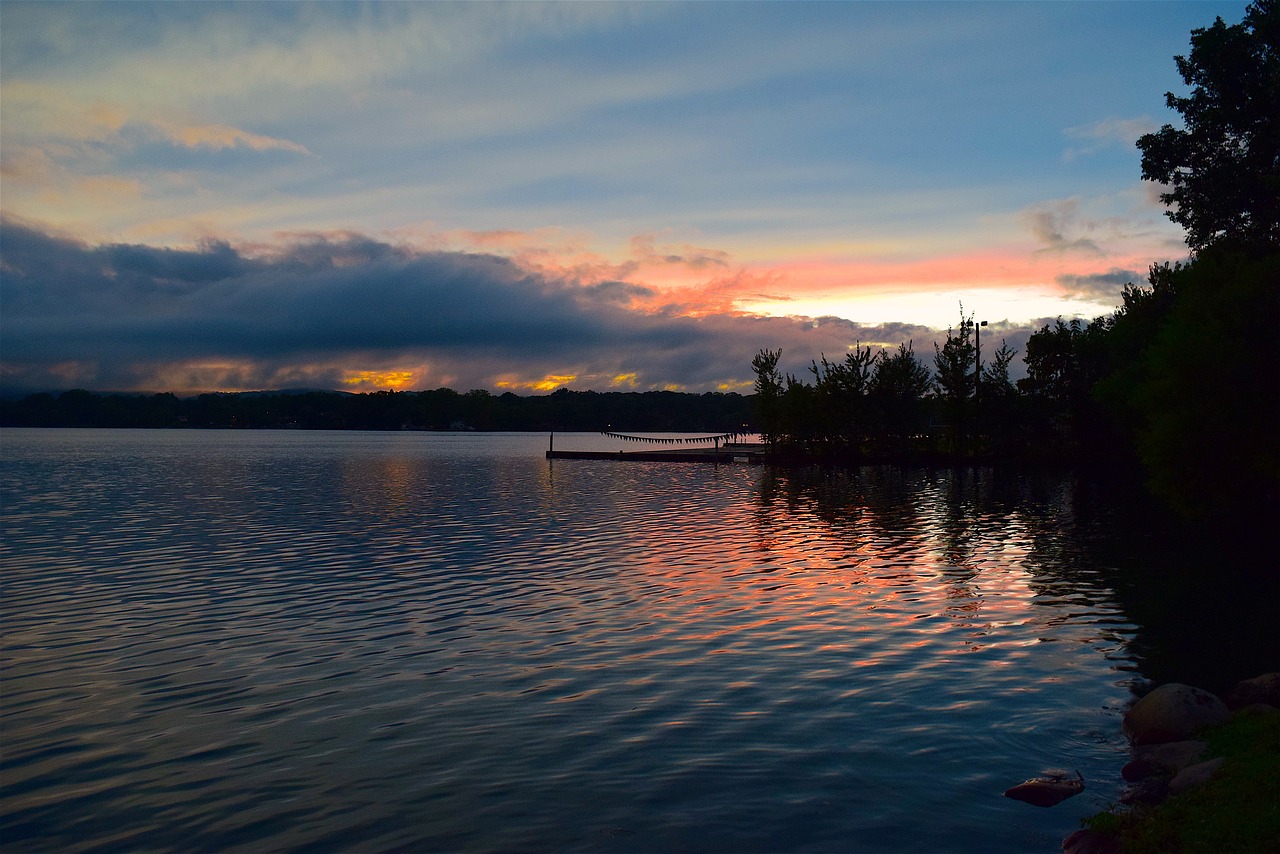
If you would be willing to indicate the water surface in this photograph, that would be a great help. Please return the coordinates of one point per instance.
(415, 641)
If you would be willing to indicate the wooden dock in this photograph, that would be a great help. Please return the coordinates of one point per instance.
(727, 454)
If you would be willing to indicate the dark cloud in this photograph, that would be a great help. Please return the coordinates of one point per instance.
(1054, 225)
(312, 311)
(620, 293)
(1101, 287)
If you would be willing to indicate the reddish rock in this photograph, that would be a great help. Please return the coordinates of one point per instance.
(1047, 791)
(1173, 712)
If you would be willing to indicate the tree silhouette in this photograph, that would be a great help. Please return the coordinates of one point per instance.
(955, 362)
(995, 374)
(841, 397)
(898, 387)
(1223, 168)
(769, 390)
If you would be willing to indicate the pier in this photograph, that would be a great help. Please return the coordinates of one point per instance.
(731, 453)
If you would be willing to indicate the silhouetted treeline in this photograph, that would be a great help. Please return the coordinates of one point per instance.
(441, 409)
(1181, 380)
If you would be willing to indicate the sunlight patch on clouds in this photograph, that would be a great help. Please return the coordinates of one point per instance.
(550, 382)
(1016, 285)
(37, 112)
(223, 137)
(628, 380)
(378, 379)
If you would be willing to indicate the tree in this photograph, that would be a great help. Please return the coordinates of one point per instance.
(955, 361)
(901, 376)
(842, 389)
(769, 389)
(1203, 426)
(898, 384)
(1223, 168)
(1000, 414)
(995, 374)
(1053, 370)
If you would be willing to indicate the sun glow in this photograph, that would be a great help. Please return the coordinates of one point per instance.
(628, 380)
(550, 382)
(378, 379)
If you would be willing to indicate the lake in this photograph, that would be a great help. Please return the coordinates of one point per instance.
(237, 640)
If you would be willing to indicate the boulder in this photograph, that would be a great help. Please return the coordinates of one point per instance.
(1047, 791)
(1090, 842)
(1173, 712)
(1149, 792)
(1138, 769)
(1168, 758)
(1260, 689)
(1194, 775)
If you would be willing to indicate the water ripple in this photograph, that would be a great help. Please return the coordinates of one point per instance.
(407, 642)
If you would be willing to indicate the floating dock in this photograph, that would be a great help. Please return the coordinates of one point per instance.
(726, 454)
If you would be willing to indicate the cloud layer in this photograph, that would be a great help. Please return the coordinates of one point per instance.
(350, 311)
(524, 195)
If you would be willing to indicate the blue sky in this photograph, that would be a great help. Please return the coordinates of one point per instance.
(595, 195)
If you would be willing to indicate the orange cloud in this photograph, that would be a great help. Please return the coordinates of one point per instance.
(224, 136)
(628, 380)
(378, 379)
(550, 382)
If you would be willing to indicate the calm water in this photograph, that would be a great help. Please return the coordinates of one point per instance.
(284, 640)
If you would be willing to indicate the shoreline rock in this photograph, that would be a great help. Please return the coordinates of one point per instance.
(1049, 790)
(1194, 775)
(1173, 712)
(1263, 689)
(1168, 758)
(1165, 760)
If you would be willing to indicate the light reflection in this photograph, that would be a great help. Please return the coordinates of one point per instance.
(540, 619)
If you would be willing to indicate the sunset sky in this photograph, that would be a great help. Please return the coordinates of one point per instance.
(525, 196)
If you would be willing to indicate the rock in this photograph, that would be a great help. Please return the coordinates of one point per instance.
(1194, 775)
(1047, 791)
(1260, 689)
(1090, 842)
(1138, 769)
(1149, 792)
(1173, 712)
(1170, 757)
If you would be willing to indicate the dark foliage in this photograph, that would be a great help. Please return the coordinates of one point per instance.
(1223, 167)
(441, 409)
(1194, 385)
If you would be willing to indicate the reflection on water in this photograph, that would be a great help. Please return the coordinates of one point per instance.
(446, 642)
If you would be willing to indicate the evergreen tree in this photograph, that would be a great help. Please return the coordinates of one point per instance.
(769, 389)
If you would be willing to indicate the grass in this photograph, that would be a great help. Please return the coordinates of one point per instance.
(1237, 811)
